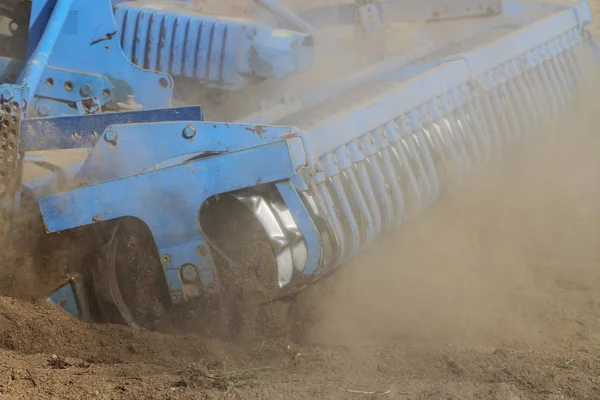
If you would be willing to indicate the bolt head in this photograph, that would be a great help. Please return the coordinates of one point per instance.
(111, 136)
(86, 90)
(189, 273)
(43, 110)
(189, 132)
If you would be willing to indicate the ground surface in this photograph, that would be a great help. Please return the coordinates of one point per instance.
(492, 294)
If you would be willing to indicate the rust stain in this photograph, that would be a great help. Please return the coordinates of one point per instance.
(257, 130)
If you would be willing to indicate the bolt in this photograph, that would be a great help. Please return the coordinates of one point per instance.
(189, 132)
(111, 136)
(189, 273)
(165, 258)
(43, 110)
(86, 90)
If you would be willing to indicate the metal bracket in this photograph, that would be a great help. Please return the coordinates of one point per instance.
(77, 132)
(71, 297)
(86, 21)
(89, 106)
(390, 11)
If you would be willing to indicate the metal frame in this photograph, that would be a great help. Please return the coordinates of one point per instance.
(346, 178)
(88, 29)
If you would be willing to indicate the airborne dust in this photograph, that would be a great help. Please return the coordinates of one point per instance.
(491, 294)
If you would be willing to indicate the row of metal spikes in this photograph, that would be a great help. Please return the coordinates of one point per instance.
(402, 167)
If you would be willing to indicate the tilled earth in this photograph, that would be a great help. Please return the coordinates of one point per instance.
(492, 294)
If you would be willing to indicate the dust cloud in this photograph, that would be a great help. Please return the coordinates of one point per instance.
(499, 259)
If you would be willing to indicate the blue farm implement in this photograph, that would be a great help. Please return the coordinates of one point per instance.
(329, 126)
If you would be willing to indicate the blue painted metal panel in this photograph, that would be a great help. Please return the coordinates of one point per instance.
(154, 143)
(66, 299)
(71, 297)
(90, 32)
(220, 52)
(84, 131)
(178, 191)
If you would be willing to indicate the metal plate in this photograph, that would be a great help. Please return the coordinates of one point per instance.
(11, 114)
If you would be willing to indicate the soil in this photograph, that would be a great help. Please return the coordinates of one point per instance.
(491, 294)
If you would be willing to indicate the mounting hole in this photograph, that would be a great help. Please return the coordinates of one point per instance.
(49, 82)
(68, 86)
(76, 135)
(7, 109)
(163, 83)
(5, 123)
(95, 134)
(106, 92)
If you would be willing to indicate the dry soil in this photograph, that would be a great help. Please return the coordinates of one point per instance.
(492, 294)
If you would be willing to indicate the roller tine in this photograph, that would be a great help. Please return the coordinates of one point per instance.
(361, 207)
(389, 172)
(392, 132)
(332, 172)
(418, 146)
(376, 169)
(358, 159)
